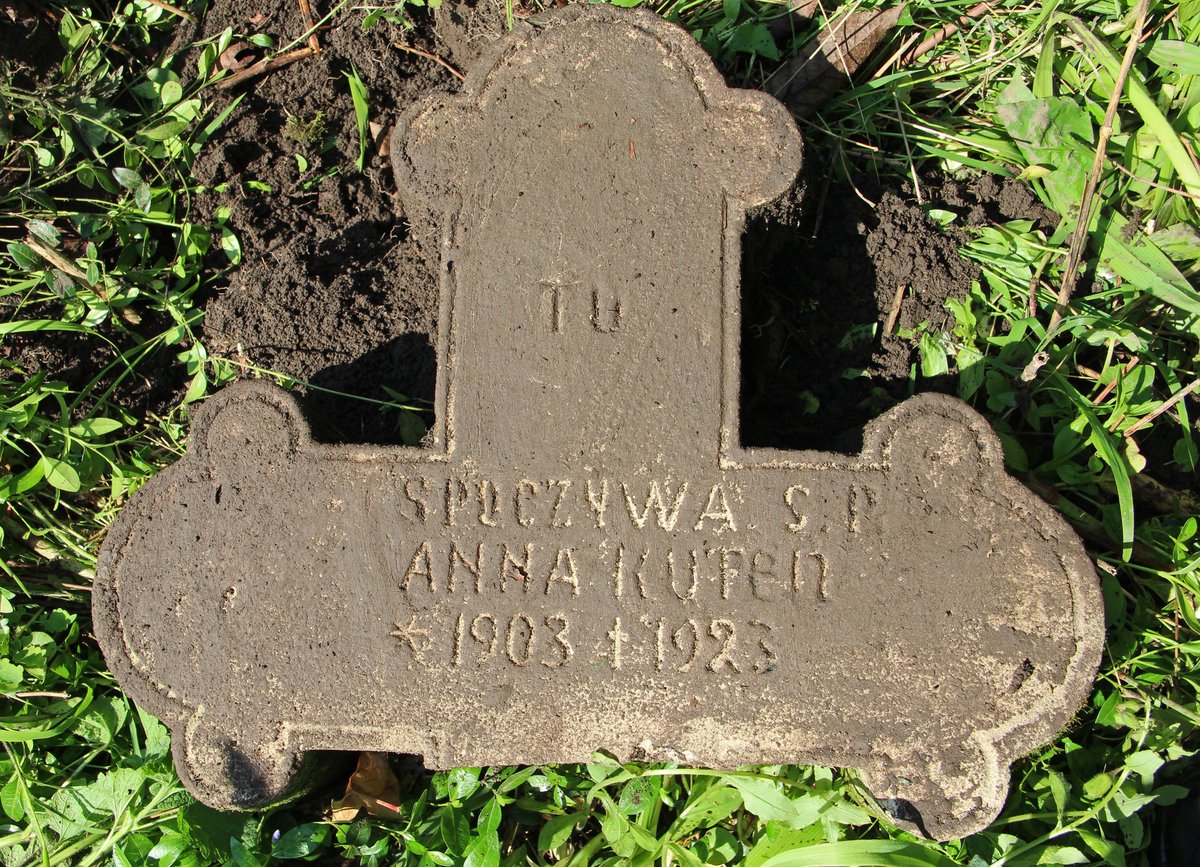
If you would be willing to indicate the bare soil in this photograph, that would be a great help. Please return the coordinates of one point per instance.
(332, 290)
(819, 283)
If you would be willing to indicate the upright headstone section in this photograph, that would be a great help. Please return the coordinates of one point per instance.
(585, 557)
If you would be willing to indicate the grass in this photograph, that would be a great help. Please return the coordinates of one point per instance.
(100, 248)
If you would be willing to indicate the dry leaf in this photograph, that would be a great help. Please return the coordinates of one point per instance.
(20, 11)
(825, 65)
(381, 134)
(237, 56)
(372, 787)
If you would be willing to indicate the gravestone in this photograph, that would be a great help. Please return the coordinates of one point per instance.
(584, 557)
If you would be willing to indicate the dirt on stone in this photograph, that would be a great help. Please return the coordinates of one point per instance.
(560, 237)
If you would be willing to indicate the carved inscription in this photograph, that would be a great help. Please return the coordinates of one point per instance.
(532, 539)
(557, 504)
(569, 305)
(654, 572)
(718, 645)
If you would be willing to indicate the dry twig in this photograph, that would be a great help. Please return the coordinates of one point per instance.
(307, 14)
(174, 10)
(946, 32)
(1079, 238)
(1035, 281)
(894, 311)
(265, 66)
(1163, 407)
(1172, 190)
(1116, 379)
(1187, 145)
(23, 695)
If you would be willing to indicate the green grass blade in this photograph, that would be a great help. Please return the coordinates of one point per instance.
(1138, 260)
(10, 733)
(1111, 455)
(362, 111)
(861, 853)
(25, 325)
(213, 125)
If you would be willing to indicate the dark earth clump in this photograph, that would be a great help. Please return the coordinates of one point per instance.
(28, 45)
(820, 282)
(988, 198)
(819, 289)
(90, 366)
(332, 289)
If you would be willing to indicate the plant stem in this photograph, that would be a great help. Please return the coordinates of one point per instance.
(1079, 238)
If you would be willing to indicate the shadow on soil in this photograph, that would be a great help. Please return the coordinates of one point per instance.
(819, 281)
(406, 364)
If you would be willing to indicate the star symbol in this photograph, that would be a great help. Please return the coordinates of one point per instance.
(409, 635)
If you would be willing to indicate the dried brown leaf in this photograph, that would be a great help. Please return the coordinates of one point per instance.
(826, 64)
(381, 134)
(237, 56)
(372, 787)
(22, 12)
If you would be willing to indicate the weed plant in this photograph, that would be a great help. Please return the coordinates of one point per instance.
(98, 247)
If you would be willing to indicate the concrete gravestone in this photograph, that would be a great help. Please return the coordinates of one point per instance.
(585, 557)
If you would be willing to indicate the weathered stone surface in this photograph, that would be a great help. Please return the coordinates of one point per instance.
(585, 557)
